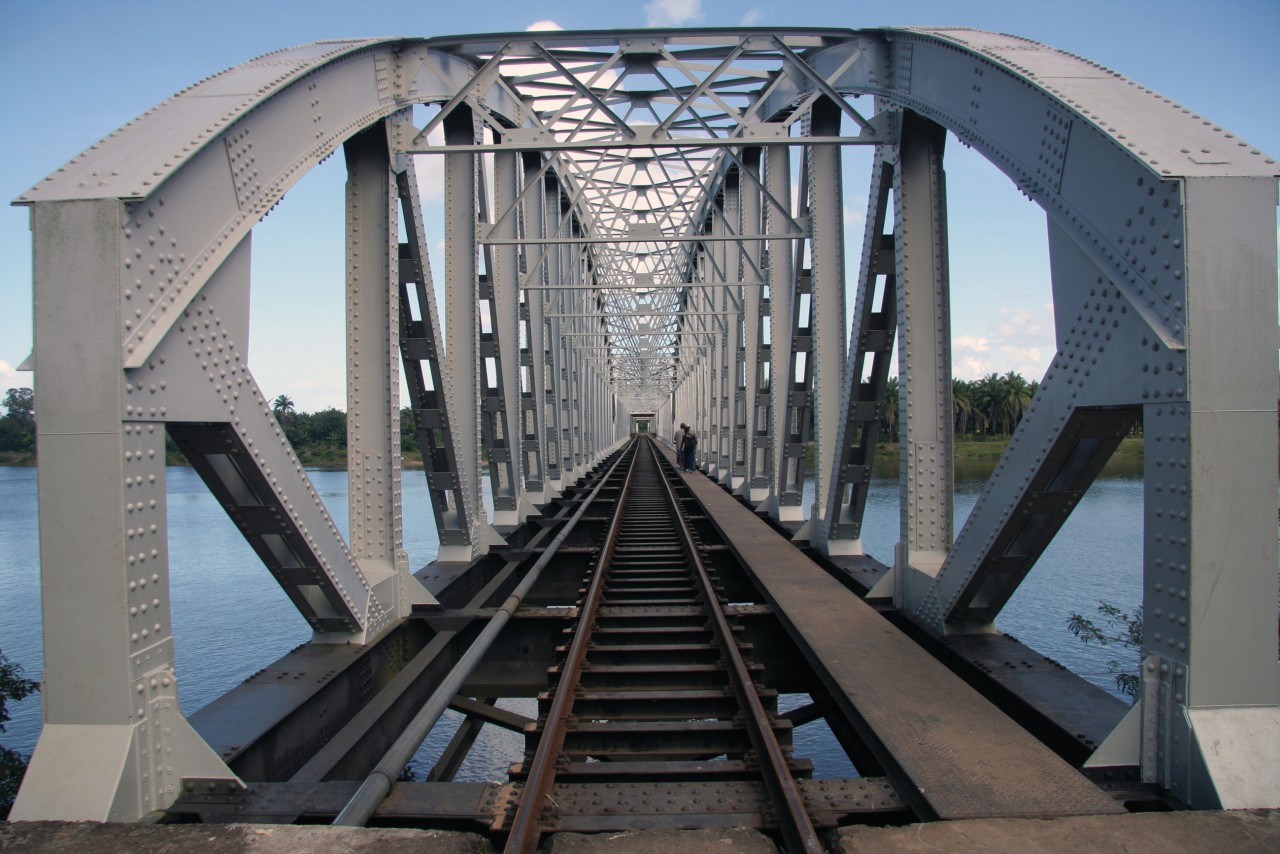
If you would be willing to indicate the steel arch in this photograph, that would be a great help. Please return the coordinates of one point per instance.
(1163, 252)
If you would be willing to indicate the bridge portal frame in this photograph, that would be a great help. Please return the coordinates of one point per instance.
(1161, 233)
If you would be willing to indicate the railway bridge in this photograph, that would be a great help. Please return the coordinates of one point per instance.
(642, 228)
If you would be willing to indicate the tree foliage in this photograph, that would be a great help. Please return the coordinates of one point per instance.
(1114, 627)
(18, 425)
(13, 686)
(991, 406)
(283, 407)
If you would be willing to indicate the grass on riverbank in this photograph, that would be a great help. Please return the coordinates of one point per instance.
(1130, 450)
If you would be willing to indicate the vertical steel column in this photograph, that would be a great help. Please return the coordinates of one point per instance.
(717, 259)
(700, 415)
(572, 380)
(705, 372)
(564, 368)
(924, 358)
(507, 479)
(871, 338)
(781, 285)
(373, 373)
(752, 417)
(533, 356)
(795, 365)
(827, 327)
(576, 393)
(587, 410)
(462, 318)
(593, 419)
(434, 411)
(1211, 687)
(552, 276)
(571, 398)
(730, 302)
(569, 372)
(115, 745)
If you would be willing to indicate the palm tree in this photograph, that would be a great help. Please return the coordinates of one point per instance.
(989, 400)
(962, 408)
(1017, 397)
(283, 407)
(889, 414)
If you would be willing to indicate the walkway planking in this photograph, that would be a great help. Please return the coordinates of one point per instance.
(962, 756)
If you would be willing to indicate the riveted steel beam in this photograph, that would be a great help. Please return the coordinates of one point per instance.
(924, 358)
(871, 340)
(1163, 252)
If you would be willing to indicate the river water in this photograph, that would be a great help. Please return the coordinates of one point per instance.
(230, 618)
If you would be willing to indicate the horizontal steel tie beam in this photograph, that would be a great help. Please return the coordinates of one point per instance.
(673, 286)
(490, 240)
(601, 145)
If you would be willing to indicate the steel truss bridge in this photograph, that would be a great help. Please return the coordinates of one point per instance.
(648, 227)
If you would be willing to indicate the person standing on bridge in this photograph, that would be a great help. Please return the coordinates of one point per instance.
(678, 444)
(690, 449)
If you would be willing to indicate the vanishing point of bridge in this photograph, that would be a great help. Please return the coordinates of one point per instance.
(642, 228)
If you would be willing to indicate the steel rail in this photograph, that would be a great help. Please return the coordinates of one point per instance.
(549, 756)
(377, 784)
(525, 830)
(797, 829)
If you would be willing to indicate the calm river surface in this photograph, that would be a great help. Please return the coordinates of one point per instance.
(231, 619)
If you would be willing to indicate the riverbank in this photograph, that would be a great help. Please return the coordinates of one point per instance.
(988, 448)
(992, 447)
(984, 448)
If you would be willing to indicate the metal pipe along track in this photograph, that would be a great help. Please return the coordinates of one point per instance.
(376, 786)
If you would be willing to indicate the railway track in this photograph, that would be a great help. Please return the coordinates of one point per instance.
(654, 687)
(652, 704)
(657, 653)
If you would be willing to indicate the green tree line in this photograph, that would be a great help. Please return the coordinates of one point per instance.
(991, 406)
(18, 425)
(321, 437)
(988, 407)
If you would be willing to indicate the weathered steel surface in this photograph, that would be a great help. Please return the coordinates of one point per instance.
(960, 756)
(651, 258)
(1082, 713)
(584, 807)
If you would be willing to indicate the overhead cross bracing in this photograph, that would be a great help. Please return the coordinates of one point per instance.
(640, 132)
(650, 222)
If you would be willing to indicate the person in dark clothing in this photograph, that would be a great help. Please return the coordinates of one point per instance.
(690, 449)
(678, 443)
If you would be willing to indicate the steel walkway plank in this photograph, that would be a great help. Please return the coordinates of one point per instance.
(964, 757)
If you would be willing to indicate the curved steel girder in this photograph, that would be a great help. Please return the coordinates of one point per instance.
(199, 170)
(1088, 145)
(1110, 162)
(204, 166)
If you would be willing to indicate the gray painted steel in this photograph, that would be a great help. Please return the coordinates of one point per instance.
(638, 254)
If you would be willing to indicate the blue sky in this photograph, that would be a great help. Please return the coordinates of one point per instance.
(71, 71)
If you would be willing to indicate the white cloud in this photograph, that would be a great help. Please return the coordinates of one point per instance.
(1014, 341)
(752, 17)
(855, 216)
(542, 26)
(969, 342)
(672, 13)
(11, 377)
(969, 357)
